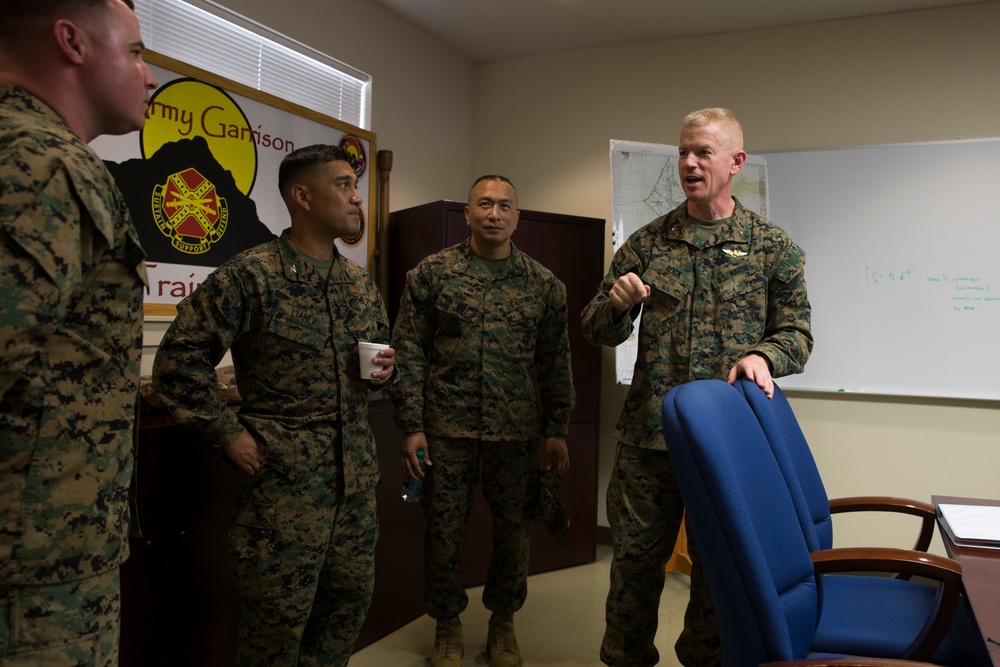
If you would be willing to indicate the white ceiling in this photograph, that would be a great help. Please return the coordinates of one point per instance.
(485, 30)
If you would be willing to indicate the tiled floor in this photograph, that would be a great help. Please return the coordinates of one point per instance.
(561, 624)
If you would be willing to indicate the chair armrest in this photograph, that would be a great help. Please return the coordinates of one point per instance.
(885, 559)
(924, 511)
(945, 571)
(846, 662)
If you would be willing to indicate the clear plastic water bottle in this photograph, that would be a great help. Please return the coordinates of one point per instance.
(413, 488)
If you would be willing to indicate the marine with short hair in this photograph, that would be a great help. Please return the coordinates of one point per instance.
(291, 311)
(722, 294)
(72, 273)
(478, 322)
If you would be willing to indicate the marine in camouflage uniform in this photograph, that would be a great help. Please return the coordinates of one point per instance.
(471, 335)
(71, 286)
(301, 551)
(717, 294)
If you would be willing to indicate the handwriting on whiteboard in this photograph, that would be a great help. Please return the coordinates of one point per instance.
(962, 292)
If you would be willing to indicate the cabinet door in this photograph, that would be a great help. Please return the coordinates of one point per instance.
(179, 606)
(573, 249)
(398, 597)
(578, 495)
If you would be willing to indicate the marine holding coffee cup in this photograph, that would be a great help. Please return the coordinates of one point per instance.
(294, 313)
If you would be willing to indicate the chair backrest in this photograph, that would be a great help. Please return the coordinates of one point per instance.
(745, 523)
(791, 448)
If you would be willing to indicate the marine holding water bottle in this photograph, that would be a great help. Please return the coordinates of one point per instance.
(478, 322)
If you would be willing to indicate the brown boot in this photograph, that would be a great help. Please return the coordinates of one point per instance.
(501, 643)
(448, 648)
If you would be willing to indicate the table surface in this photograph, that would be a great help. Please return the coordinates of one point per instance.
(980, 577)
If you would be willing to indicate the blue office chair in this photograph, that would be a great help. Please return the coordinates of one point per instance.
(766, 584)
(779, 423)
(796, 462)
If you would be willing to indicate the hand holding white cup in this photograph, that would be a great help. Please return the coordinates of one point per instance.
(367, 352)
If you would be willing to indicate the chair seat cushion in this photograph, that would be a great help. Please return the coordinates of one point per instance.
(878, 617)
(871, 616)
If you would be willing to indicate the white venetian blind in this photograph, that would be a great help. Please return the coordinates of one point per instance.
(239, 49)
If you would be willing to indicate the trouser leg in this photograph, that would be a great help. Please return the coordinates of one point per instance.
(346, 581)
(507, 471)
(73, 623)
(645, 510)
(699, 644)
(447, 503)
(277, 546)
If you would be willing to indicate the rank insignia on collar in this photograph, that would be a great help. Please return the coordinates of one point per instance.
(460, 265)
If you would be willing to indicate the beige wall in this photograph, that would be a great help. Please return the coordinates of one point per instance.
(546, 122)
(923, 76)
(421, 95)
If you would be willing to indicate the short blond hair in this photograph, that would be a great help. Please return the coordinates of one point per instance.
(717, 116)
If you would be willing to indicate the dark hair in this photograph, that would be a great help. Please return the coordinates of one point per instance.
(492, 177)
(19, 15)
(303, 160)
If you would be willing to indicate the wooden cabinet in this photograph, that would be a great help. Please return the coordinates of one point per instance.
(399, 555)
(179, 606)
(572, 247)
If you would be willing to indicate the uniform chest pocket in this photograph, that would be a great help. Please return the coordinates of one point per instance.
(452, 305)
(522, 314)
(364, 324)
(295, 325)
(738, 283)
(667, 294)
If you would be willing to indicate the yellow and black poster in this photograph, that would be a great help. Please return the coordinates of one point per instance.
(201, 178)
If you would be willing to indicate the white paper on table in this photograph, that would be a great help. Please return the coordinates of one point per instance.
(973, 522)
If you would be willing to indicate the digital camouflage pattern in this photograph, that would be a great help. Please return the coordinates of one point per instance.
(74, 623)
(72, 276)
(306, 576)
(508, 471)
(712, 302)
(742, 291)
(644, 509)
(293, 335)
(468, 344)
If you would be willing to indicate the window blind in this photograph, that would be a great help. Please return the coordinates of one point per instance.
(213, 38)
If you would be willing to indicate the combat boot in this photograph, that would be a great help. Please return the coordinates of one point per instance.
(501, 643)
(448, 647)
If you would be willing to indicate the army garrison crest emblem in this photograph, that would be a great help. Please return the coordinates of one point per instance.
(189, 211)
(189, 208)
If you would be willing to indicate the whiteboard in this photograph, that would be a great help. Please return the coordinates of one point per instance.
(903, 265)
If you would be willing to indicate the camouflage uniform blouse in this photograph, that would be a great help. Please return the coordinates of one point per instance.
(293, 335)
(72, 276)
(743, 291)
(468, 345)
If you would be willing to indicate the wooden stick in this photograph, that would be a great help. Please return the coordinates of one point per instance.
(384, 161)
